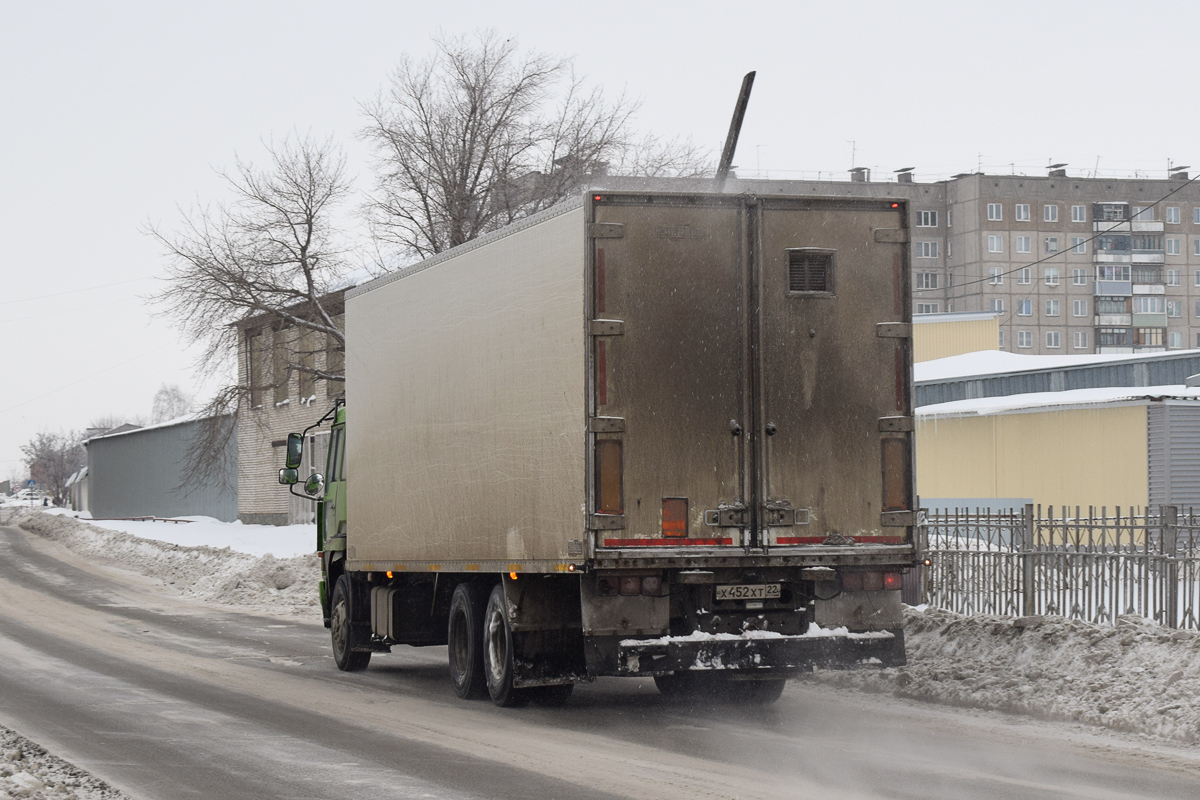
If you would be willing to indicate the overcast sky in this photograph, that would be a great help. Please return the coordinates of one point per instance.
(115, 114)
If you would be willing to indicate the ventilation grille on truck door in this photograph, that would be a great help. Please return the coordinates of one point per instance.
(810, 270)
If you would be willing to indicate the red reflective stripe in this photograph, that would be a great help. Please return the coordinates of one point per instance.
(664, 542)
(857, 539)
(601, 373)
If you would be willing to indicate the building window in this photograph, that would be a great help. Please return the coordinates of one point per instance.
(1196, 252)
(1024, 338)
(926, 219)
(1148, 337)
(927, 249)
(995, 244)
(1050, 213)
(1113, 243)
(1196, 215)
(1112, 272)
(1172, 215)
(1173, 277)
(1175, 339)
(1198, 309)
(1174, 308)
(1051, 274)
(949, 218)
(1051, 244)
(1022, 212)
(1078, 244)
(1078, 213)
(996, 276)
(1143, 213)
(1025, 308)
(949, 249)
(1173, 247)
(1112, 305)
(1079, 277)
(998, 305)
(1052, 308)
(927, 308)
(1112, 337)
(1149, 304)
(1000, 341)
(1080, 308)
(995, 212)
(1110, 212)
(1025, 275)
(1053, 340)
(1024, 243)
(1080, 340)
(927, 280)
(1147, 241)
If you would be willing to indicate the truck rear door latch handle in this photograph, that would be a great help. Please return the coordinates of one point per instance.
(735, 427)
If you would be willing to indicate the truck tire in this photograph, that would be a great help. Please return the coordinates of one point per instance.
(498, 653)
(347, 637)
(464, 639)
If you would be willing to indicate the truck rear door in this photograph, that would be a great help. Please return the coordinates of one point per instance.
(736, 376)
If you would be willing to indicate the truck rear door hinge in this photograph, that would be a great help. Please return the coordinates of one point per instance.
(606, 230)
(897, 519)
(893, 330)
(891, 235)
(607, 327)
(895, 424)
(606, 522)
(606, 424)
(728, 516)
(780, 514)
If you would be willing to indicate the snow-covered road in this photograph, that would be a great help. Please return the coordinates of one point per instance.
(175, 696)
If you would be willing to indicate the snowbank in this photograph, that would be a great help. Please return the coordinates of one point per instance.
(220, 575)
(1135, 676)
(283, 541)
(27, 770)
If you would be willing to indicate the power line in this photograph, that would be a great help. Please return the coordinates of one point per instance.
(72, 291)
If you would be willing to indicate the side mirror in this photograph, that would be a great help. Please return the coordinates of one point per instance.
(295, 449)
(315, 484)
(289, 477)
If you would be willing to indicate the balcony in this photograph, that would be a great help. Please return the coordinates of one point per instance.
(1113, 320)
(1111, 226)
(1150, 320)
(1148, 257)
(1148, 226)
(1113, 288)
(1116, 257)
(1149, 288)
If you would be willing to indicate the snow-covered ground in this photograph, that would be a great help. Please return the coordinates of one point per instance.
(1134, 676)
(256, 540)
(213, 571)
(28, 771)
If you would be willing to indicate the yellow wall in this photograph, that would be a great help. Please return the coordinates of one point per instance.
(1075, 457)
(954, 337)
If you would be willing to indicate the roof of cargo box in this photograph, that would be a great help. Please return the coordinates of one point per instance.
(466, 247)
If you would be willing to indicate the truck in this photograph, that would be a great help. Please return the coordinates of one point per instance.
(642, 433)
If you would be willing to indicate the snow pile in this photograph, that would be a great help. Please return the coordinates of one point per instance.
(28, 771)
(263, 583)
(283, 541)
(1135, 676)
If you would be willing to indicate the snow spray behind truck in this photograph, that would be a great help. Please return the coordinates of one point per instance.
(642, 434)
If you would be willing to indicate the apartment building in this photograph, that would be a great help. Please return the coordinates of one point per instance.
(1069, 265)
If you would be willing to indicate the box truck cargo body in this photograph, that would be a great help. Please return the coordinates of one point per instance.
(637, 434)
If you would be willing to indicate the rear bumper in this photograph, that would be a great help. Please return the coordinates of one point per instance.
(683, 653)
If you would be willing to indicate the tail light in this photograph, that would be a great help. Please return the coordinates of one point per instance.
(629, 585)
(652, 585)
(896, 470)
(871, 581)
(675, 517)
(608, 477)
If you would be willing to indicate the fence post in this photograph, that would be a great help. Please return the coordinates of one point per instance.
(1028, 525)
(1168, 536)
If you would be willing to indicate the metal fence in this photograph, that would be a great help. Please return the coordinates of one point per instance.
(1086, 564)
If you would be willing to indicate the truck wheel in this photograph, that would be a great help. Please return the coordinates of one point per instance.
(465, 640)
(683, 685)
(345, 634)
(498, 653)
(758, 693)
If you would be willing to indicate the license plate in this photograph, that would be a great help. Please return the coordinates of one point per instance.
(769, 591)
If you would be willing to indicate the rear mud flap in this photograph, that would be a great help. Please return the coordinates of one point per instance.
(682, 653)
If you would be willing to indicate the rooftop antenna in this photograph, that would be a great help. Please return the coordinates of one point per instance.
(735, 128)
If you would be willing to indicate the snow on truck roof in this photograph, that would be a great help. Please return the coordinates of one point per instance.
(999, 362)
(1057, 401)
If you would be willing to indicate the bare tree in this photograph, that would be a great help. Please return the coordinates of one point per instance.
(273, 252)
(480, 134)
(170, 402)
(52, 458)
